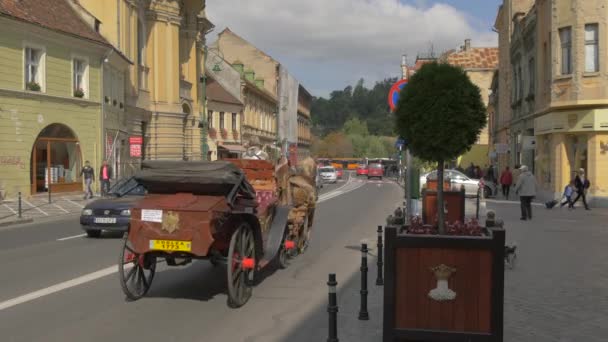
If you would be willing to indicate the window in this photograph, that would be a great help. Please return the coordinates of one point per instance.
(34, 69)
(210, 119)
(565, 36)
(591, 48)
(222, 120)
(532, 75)
(80, 82)
(234, 121)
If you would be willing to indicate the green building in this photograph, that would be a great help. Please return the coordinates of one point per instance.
(51, 61)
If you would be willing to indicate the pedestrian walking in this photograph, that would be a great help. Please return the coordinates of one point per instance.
(470, 172)
(105, 174)
(89, 177)
(568, 191)
(526, 189)
(582, 184)
(506, 180)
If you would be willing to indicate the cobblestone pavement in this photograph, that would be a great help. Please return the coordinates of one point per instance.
(38, 207)
(556, 292)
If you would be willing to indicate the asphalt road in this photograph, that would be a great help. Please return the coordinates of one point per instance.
(57, 285)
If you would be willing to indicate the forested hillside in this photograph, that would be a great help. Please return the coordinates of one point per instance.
(354, 122)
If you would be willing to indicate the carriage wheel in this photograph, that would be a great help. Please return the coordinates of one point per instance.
(135, 271)
(241, 266)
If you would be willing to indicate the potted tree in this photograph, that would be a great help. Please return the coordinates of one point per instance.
(32, 86)
(444, 280)
(78, 92)
(224, 133)
(212, 133)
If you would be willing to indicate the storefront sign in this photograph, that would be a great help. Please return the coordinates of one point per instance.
(136, 140)
(135, 150)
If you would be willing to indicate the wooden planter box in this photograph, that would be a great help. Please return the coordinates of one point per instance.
(454, 202)
(431, 184)
(471, 308)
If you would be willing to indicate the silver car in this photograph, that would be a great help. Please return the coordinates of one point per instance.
(458, 178)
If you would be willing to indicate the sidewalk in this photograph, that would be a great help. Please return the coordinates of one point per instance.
(555, 293)
(38, 207)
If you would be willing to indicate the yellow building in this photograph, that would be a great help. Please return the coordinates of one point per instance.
(290, 112)
(479, 63)
(558, 95)
(165, 42)
(50, 95)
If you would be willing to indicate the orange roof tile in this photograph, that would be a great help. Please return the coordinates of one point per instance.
(475, 58)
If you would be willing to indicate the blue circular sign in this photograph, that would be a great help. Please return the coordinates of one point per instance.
(393, 94)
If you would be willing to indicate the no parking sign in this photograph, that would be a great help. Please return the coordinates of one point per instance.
(393, 94)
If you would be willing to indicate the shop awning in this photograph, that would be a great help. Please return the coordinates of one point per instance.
(233, 148)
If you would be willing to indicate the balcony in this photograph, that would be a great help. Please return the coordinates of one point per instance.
(185, 90)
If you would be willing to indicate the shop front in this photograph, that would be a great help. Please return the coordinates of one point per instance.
(56, 161)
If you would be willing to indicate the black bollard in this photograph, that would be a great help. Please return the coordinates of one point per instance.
(363, 314)
(19, 204)
(332, 309)
(379, 278)
(49, 192)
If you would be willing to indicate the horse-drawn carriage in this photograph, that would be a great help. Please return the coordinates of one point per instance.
(244, 214)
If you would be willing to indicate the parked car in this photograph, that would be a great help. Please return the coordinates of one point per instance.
(458, 178)
(362, 170)
(328, 174)
(375, 170)
(339, 172)
(318, 180)
(113, 213)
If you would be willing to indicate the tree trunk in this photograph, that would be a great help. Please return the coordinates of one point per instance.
(440, 204)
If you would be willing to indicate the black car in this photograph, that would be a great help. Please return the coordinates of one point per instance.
(112, 213)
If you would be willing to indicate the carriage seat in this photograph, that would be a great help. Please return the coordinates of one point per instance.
(265, 199)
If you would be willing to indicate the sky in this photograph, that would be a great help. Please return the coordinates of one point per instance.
(330, 44)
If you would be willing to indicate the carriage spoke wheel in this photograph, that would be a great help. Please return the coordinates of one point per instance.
(135, 271)
(240, 278)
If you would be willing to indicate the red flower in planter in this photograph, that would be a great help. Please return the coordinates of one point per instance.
(224, 133)
(212, 133)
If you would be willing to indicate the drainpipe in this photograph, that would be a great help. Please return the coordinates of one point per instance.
(102, 63)
(203, 102)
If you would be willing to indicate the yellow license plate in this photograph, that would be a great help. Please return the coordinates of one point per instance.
(171, 245)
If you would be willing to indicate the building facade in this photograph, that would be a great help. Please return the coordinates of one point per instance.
(50, 96)
(165, 43)
(479, 63)
(292, 101)
(555, 84)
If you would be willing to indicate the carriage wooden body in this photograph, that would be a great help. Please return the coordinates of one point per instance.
(234, 213)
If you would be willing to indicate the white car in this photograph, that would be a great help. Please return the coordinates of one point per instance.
(328, 174)
(457, 178)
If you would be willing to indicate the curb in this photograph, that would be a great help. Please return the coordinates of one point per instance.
(16, 222)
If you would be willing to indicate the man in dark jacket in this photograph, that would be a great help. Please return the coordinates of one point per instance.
(89, 177)
(105, 174)
(582, 184)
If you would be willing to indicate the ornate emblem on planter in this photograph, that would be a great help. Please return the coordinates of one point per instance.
(442, 292)
(170, 222)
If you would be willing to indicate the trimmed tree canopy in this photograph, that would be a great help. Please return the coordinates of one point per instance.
(440, 112)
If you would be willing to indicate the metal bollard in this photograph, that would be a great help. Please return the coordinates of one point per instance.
(363, 314)
(49, 192)
(379, 278)
(19, 204)
(332, 309)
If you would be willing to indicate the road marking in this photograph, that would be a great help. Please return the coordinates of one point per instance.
(9, 208)
(57, 205)
(60, 287)
(40, 210)
(71, 237)
(74, 203)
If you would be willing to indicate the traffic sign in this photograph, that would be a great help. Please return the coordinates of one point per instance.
(393, 94)
(400, 143)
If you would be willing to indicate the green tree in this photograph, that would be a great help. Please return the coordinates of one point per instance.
(360, 144)
(355, 126)
(440, 113)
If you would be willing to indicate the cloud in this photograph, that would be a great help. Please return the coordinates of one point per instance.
(348, 38)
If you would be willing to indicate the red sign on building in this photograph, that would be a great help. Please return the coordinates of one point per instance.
(135, 150)
(136, 140)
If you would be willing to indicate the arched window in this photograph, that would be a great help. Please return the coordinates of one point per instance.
(56, 160)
